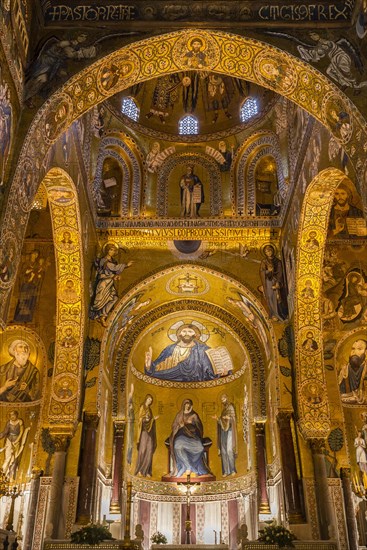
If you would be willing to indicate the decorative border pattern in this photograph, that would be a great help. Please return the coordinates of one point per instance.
(169, 384)
(336, 490)
(312, 507)
(210, 491)
(39, 524)
(65, 217)
(153, 57)
(314, 414)
(71, 484)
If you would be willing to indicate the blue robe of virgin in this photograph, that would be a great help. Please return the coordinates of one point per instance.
(195, 368)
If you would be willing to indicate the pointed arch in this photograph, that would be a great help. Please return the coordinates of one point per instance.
(313, 406)
(251, 152)
(67, 372)
(225, 53)
(119, 341)
(114, 145)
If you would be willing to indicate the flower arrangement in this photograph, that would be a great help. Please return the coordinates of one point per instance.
(92, 534)
(276, 534)
(158, 538)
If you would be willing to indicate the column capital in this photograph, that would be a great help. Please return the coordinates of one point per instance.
(59, 438)
(36, 472)
(284, 418)
(317, 445)
(91, 419)
(260, 428)
(345, 473)
(61, 442)
(119, 427)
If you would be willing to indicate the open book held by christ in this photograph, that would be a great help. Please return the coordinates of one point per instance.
(220, 360)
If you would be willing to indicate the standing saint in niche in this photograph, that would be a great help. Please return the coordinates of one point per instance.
(227, 436)
(273, 284)
(192, 194)
(147, 438)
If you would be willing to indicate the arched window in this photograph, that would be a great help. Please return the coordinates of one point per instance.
(130, 108)
(249, 109)
(188, 125)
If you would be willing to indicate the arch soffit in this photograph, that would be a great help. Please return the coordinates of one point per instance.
(65, 218)
(139, 287)
(257, 146)
(225, 53)
(313, 406)
(124, 344)
(114, 146)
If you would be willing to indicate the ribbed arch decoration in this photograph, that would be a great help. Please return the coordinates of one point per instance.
(65, 397)
(313, 406)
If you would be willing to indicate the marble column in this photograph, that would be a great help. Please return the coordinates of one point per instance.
(321, 487)
(87, 468)
(264, 507)
(293, 498)
(61, 442)
(349, 509)
(32, 508)
(118, 449)
(129, 494)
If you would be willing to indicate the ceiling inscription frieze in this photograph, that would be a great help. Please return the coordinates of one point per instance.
(253, 13)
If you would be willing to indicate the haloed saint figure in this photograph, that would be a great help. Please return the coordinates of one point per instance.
(273, 284)
(147, 439)
(188, 359)
(186, 442)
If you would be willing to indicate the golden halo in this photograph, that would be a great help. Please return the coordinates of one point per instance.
(7, 338)
(204, 333)
(262, 249)
(181, 398)
(355, 198)
(226, 393)
(107, 245)
(197, 38)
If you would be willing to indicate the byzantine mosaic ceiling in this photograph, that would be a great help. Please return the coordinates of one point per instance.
(232, 116)
(213, 99)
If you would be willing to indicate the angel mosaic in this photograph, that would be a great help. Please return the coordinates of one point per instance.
(51, 62)
(345, 61)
